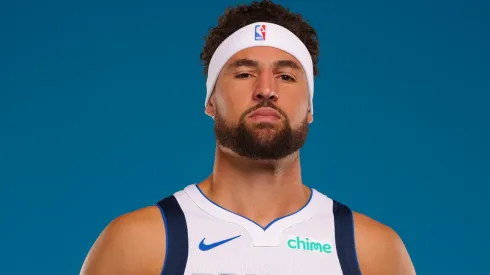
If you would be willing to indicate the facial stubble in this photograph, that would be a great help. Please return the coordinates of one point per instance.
(262, 141)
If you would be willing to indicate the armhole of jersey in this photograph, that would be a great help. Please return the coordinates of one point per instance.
(176, 239)
(345, 240)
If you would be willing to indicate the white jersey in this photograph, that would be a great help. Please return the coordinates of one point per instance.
(206, 239)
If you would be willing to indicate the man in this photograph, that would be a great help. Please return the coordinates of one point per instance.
(253, 214)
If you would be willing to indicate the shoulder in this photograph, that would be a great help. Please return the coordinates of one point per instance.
(380, 250)
(133, 243)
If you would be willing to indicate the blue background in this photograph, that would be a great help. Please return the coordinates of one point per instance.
(101, 113)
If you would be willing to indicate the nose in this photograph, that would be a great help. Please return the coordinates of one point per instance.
(265, 88)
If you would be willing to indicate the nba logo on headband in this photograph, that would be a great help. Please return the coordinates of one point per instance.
(259, 32)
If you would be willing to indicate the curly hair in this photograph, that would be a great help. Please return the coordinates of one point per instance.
(237, 17)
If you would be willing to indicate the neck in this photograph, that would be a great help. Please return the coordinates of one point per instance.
(259, 190)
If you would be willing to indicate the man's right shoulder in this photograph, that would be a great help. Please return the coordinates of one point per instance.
(133, 243)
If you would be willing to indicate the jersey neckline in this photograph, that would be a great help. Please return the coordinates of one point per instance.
(269, 235)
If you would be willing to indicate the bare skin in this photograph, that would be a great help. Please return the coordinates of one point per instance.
(262, 191)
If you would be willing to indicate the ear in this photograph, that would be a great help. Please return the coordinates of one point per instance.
(209, 109)
(310, 116)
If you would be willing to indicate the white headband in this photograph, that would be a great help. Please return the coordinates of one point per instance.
(260, 34)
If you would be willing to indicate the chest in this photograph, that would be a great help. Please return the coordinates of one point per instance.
(218, 248)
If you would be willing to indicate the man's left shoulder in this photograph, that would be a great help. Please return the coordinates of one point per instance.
(380, 249)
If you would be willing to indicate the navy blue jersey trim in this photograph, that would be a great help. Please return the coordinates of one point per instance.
(177, 242)
(344, 238)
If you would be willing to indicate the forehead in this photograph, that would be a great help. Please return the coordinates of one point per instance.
(263, 55)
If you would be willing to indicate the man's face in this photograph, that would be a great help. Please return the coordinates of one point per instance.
(261, 104)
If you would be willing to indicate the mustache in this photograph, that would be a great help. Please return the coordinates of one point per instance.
(264, 104)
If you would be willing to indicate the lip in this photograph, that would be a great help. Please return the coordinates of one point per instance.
(265, 113)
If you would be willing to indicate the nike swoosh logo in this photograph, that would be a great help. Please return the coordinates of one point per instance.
(206, 247)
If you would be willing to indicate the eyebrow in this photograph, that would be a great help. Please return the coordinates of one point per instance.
(244, 62)
(286, 64)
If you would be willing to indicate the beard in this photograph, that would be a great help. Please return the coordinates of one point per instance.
(261, 141)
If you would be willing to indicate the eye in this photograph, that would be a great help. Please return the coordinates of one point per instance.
(287, 78)
(243, 76)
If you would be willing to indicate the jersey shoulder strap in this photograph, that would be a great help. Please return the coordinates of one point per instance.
(177, 242)
(345, 240)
